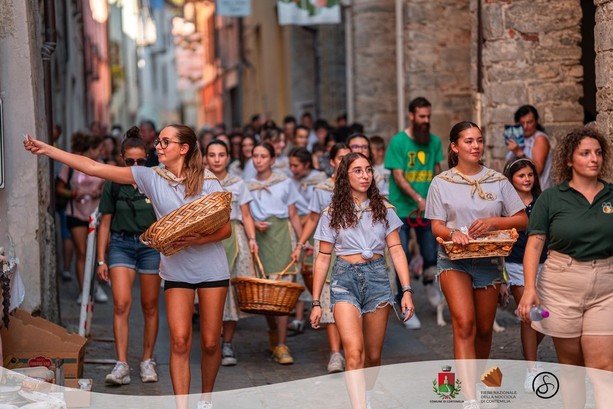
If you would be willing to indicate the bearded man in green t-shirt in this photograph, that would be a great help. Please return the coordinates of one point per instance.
(414, 156)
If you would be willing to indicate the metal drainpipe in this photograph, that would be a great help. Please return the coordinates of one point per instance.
(349, 61)
(400, 65)
(49, 295)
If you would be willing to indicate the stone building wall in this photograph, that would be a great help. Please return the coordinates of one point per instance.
(531, 55)
(374, 62)
(437, 39)
(603, 37)
(26, 228)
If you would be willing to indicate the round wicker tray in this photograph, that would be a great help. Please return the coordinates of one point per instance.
(203, 216)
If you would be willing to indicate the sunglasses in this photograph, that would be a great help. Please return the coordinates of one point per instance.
(138, 162)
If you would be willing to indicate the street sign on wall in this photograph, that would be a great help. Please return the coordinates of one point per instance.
(309, 12)
(233, 8)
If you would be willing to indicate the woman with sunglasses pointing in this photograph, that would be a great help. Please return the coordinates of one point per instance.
(126, 213)
(201, 267)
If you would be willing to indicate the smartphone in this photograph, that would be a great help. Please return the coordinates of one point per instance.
(515, 132)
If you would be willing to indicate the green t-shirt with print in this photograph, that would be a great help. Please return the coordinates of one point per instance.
(417, 162)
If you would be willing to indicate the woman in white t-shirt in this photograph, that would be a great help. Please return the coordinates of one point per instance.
(239, 246)
(463, 203)
(358, 226)
(277, 224)
(201, 267)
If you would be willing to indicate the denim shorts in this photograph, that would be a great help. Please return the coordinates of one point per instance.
(515, 274)
(126, 250)
(483, 271)
(364, 285)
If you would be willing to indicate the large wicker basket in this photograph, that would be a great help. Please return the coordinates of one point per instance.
(266, 296)
(491, 244)
(202, 216)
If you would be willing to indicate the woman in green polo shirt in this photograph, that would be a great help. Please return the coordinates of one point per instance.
(126, 213)
(576, 283)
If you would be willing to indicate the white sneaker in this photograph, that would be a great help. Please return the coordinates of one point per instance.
(412, 323)
(205, 405)
(147, 371)
(228, 357)
(336, 363)
(79, 298)
(529, 381)
(120, 375)
(434, 295)
(100, 296)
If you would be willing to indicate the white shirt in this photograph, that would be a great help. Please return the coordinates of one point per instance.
(195, 264)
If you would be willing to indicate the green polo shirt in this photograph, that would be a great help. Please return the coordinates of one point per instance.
(132, 212)
(574, 226)
(417, 163)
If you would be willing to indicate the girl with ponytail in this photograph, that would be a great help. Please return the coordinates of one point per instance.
(201, 267)
(463, 203)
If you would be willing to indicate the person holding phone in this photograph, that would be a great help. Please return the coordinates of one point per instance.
(536, 144)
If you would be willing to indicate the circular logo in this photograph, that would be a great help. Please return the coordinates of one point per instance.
(545, 385)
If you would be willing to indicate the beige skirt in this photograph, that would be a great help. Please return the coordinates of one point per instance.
(240, 263)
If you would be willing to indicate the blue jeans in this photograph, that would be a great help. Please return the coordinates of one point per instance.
(427, 248)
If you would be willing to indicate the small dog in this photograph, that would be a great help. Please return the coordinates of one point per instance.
(435, 296)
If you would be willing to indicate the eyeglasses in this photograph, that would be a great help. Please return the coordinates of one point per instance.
(359, 172)
(359, 147)
(164, 143)
(138, 162)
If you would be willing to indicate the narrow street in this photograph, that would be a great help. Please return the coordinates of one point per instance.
(255, 366)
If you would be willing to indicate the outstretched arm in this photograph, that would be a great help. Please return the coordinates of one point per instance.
(80, 163)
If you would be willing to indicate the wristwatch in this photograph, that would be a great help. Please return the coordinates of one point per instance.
(101, 262)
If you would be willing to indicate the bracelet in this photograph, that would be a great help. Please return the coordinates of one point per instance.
(451, 233)
(408, 288)
(251, 238)
(327, 254)
(315, 303)
(101, 262)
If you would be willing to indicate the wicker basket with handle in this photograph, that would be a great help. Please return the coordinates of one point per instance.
(264, 295)
(493, 243)
(202, 216)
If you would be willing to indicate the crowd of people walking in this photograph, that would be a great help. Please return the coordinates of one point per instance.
(309, 198)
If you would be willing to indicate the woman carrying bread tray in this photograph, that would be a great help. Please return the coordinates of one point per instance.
(277, 224)
(476, 199)
(358, 225)
(181, 180)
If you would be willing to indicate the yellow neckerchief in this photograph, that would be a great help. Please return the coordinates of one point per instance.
(327, 185)
(258, 185)
(175, 181)
(312, 181)
(229, 180)
(454, 176)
